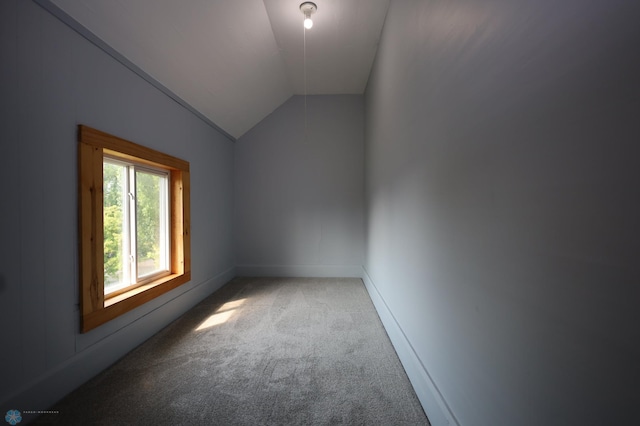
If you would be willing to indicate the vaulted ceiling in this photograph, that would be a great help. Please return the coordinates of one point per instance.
(235, 61)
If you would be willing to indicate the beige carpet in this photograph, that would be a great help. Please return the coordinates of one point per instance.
(260, 351)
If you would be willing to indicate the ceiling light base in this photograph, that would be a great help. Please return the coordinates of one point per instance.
(308, 8)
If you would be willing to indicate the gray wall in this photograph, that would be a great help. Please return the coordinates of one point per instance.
(299, 200)
(52, 79)
(503, 200)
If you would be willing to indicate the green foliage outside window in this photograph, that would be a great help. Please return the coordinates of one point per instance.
(148, 208)
(113, 181)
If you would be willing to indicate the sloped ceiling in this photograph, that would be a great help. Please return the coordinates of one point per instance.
(235, 61)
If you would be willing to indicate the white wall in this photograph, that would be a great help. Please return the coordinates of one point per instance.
(52, 79)
(299, 200)
(503, 200)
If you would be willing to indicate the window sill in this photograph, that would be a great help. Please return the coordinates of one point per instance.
(124, 302)
(112, 300)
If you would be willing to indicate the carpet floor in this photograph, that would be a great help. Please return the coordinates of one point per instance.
(259, 351)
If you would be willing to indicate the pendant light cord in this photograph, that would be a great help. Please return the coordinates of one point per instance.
(304, 62)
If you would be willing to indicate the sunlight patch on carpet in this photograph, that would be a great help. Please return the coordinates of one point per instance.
(222, 315)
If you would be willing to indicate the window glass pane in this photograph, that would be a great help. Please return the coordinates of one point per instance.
(151, 222)
(115, 233)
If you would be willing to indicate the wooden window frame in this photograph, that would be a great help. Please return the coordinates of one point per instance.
(93, 144)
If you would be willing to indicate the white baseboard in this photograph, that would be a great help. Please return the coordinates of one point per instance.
(434, 405)
(351, 271)
(44, 391)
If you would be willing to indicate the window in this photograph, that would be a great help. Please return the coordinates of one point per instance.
(134, 225)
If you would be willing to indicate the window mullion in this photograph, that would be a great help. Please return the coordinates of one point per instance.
(133, 262)
(126, 244)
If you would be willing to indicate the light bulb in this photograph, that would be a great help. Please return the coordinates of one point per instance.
(308, 23)
(308, 8)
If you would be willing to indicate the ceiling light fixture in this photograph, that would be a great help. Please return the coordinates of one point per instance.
(308, 8)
